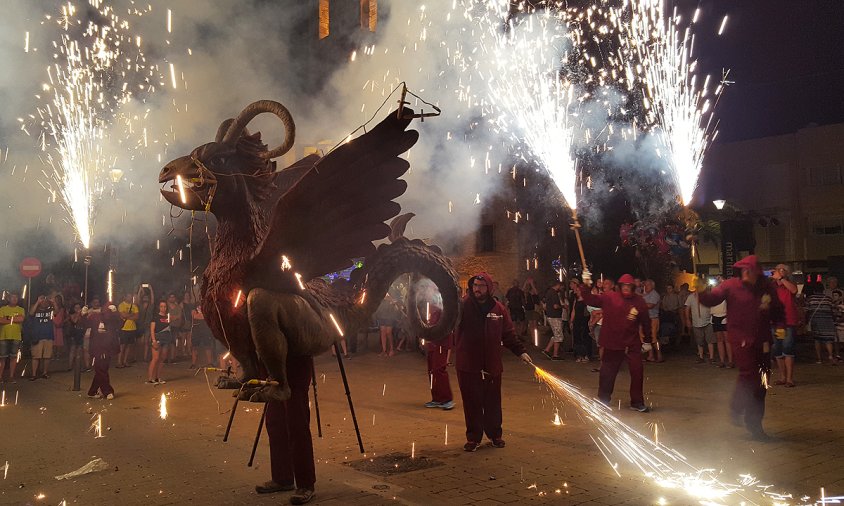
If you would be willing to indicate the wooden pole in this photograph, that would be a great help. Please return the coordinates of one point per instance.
(576, 227)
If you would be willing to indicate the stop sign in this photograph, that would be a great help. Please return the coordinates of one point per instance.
(30, 267)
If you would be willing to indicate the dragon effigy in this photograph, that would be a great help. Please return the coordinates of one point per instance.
(279, 232)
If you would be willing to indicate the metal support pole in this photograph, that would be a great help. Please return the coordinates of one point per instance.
(348, 394)
(77, 369)
(258, 435)
(316, 401)
(231, 417)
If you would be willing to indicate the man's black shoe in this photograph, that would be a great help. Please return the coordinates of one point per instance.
(498, 443)
(641, 408)
(271, 487)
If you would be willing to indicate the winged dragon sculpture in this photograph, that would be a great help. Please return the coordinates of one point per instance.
(261, 291)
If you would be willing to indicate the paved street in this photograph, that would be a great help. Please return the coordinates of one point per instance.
(182, 460)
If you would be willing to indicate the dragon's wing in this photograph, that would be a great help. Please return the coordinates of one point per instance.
(336, 209)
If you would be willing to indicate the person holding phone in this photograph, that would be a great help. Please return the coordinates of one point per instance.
(161, 339)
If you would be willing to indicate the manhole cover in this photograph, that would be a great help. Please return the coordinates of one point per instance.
(393, 463)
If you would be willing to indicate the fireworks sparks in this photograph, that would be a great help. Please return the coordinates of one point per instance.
(285, 263)
(660, 50)
(236, 299)
(528, 87)
(99, 68)
(299, 280)
(336, 325)
(664, 466)
(162, 407)
(181, 186)
(97, 426)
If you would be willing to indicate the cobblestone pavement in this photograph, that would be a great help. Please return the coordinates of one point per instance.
(182, 460)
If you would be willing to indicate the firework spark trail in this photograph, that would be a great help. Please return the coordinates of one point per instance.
(533, 98)
(81, 117)
(666, 467)
(657, 52)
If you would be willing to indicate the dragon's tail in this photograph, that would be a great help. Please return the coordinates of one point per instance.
(404, 256)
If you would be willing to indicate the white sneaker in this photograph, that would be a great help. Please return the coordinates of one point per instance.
(110, 396)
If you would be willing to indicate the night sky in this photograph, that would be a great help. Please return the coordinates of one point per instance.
(787, 61)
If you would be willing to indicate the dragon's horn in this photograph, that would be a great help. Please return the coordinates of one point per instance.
(221, 132)
(224, 127)
(398, 225)
(237, 126)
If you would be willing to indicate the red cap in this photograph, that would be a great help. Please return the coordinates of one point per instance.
(626, 279)
(748, 262)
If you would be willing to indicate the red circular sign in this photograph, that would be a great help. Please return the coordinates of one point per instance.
(30, 267)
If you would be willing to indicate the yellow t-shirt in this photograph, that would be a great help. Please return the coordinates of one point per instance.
(12, 331)
(128, 307)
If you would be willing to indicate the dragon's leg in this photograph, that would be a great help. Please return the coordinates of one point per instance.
(270, 342)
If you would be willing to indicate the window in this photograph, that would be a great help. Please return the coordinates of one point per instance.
(486, 239)
(826, 175)
(834, 226)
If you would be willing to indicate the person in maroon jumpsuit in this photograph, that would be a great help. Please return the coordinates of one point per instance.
(288, 426)
(103, 325)
(484, 327)
(438, 353)
(752, 305)
(624, 313)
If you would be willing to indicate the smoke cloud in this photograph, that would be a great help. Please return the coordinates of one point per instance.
(226, 54)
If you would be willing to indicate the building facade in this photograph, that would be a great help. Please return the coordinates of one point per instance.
(789, 190)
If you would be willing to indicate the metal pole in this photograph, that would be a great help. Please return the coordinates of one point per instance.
(316, 401)
(258, 435)
(77, 369)
(87, 262)
(348, 394)
(28, 295)
(231, 417)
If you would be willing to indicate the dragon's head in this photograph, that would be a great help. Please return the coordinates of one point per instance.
(226, 175)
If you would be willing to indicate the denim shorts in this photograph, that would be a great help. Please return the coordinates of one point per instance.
(9, 347)
(783, 346)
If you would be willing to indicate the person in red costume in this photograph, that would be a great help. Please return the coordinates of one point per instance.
(484, 327)
(102, 323)
(438, 353)
(288, 429)
(752, 304)
(624, 313)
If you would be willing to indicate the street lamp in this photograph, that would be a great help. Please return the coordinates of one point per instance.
(719, 204)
